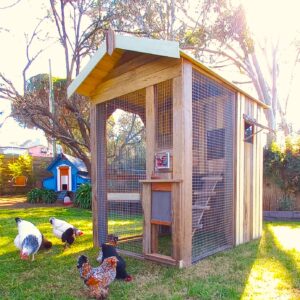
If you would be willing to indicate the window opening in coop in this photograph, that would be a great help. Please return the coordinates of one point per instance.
(125, 167)
(249, 133)
(212, 177)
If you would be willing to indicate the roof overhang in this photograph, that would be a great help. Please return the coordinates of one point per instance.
(110, 52)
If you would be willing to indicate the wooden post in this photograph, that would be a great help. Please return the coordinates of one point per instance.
(93, 117)
(98, 160)
(110, 41)
(150, 148)
(182, 163)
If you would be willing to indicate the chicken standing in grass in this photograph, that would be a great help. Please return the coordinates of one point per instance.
(64, 231)
(109, 250)
(29, 239)
(97, 279)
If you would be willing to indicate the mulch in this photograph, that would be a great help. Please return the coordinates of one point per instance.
(20, 202)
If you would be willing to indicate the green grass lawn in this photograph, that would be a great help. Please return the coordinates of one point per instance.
(263, 269)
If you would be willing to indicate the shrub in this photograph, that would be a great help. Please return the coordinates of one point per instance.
(41, 196)
(48, 196)
(286, 203)
(83, 198)
(34, 196)
(282, 166)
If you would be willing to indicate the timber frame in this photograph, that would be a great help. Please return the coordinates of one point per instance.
(124, 65)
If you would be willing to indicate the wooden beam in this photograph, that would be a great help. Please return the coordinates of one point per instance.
(182, 162)
(149, 46)
(141, 77)
(110, 41)
(124, 197)
(150, 148)
(72, 88)
(94, 158)
(101, 179)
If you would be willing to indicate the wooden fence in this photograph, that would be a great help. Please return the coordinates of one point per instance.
(272, 195)
(39, 172)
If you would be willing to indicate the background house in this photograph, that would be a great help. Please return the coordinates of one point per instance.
(68, 174)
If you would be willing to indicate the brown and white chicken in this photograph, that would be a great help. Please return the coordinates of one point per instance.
(97, 279)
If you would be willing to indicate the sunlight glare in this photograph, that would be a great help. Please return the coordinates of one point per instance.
(287, 241)
(272, 18)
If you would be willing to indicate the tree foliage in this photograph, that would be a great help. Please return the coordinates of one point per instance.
(217, 33)
(21, 166)
(282, 166)
(126, 142)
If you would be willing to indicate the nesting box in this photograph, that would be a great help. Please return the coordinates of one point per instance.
(176, 158)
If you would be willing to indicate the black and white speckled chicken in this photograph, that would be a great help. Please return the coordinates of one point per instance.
(29, 239)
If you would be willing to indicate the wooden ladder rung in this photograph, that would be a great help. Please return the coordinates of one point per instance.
(203, 207)
(204, 193)
(199, 226)
(212, 178)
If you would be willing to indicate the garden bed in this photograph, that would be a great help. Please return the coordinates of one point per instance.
(282, 215)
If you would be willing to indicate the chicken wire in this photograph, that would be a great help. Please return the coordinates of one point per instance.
(163, 115)
(213, 213)
(163, 102)
(120, 209)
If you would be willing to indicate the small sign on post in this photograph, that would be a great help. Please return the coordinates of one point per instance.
(162, 160)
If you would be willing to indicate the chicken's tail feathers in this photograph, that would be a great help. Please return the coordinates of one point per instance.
(51, 220)
(46, 244)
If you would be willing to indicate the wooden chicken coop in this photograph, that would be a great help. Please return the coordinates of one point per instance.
(176, 152)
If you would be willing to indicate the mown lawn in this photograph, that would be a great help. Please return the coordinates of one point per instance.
(263, 269)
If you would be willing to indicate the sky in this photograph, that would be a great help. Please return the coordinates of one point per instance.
(266, 17)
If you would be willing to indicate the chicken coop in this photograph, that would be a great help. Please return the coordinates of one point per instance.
(176, 152)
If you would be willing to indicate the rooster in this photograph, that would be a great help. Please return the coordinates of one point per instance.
(29, 239)
(97, 279)
(108, 250)
(64, 231)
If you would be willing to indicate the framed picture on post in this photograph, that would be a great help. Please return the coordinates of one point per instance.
(162, 160)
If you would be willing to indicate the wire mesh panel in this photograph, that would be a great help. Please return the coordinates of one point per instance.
(164, 115)
(125, 165)
(213, 113)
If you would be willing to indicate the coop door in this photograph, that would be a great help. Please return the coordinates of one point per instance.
(161, 219)
(64, 178)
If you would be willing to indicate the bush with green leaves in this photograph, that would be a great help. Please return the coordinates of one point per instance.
(83, 198)
(34, 196)
(48, 196)
(282, 166)
(41, 196)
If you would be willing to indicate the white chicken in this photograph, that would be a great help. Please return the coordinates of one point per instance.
(29, 239)
(64, 231)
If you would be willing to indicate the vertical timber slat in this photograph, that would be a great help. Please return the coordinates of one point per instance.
(240, 169)
(150, 148)
(182, 162)
(94, 158)
(101, 177)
